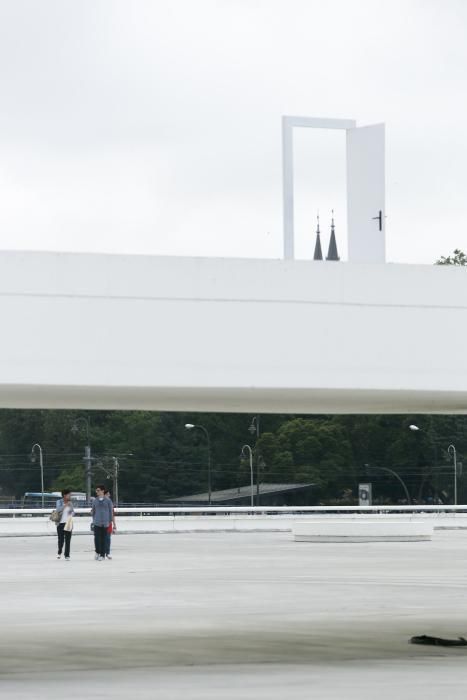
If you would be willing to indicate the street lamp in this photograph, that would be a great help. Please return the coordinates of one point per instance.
(452, 451)
(396, 475)
(434, 486)
(191, 426)
(248, 449)
(87, 453)
(41, 463)
(254, 426)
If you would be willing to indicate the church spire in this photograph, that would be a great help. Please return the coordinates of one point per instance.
(332, 250)
(318, 252)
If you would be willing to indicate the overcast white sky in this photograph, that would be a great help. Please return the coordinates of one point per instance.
(153, 126)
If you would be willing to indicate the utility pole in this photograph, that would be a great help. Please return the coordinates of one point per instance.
(116, 467)
(452, 451)
(254, 428)
(41, 464)
(88, 471)
(247, 448)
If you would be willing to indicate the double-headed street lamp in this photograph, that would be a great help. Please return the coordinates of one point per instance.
(247, 448)
(191, 426)
(41, 463)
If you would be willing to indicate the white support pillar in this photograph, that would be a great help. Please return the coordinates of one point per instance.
(288, 188)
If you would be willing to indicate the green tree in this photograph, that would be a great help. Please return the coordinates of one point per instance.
(311, 450)
(70, 478)
(457, 258)
(160, 459)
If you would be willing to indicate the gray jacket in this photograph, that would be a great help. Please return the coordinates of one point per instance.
(102, 512)
(60, 505)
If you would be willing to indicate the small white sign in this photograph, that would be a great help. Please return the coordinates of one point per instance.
(364, 495)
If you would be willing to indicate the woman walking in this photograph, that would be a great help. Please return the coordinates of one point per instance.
(65, 524)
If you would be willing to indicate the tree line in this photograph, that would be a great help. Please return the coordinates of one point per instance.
(160, 459)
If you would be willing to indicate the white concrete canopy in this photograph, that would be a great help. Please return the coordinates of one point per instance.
(137, 332)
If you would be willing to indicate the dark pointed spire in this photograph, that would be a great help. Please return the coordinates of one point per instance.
(332, 250)
(318, 252)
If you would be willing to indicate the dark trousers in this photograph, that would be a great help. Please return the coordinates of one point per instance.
(63, 537)
(99, 539)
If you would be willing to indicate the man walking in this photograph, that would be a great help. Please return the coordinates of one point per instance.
(101, 518)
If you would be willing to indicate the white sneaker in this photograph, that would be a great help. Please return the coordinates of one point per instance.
(99, 558)
(67, 558)
(96, 557)
(108, 556)
(59, 556)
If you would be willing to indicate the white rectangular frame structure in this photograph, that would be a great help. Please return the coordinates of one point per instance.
(365, 185)
(288, 125)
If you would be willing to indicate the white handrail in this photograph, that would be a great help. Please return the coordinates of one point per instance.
(253, 510)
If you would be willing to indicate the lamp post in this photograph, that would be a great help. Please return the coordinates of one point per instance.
(248, 449)
(87, 453)
(41, 463)
(415, 429)
(396, 475)
(452, 451)
(191, 426)
(254, 426)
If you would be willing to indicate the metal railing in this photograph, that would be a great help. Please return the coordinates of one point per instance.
(142, 511)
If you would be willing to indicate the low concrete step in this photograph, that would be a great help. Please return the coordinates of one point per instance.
(364, 531)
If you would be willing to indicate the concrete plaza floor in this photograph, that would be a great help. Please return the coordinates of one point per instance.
(227, 615)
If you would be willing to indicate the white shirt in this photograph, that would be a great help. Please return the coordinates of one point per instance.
(67, 511)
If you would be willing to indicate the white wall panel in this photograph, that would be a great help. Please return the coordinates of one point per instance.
(217, 334)
(366, 193)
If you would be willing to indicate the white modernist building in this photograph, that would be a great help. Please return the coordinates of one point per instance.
(100, 331)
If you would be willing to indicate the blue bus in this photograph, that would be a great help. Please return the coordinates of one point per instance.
(33, 499)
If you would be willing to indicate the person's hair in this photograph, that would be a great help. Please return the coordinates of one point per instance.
(99, 486)
(65, 492)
